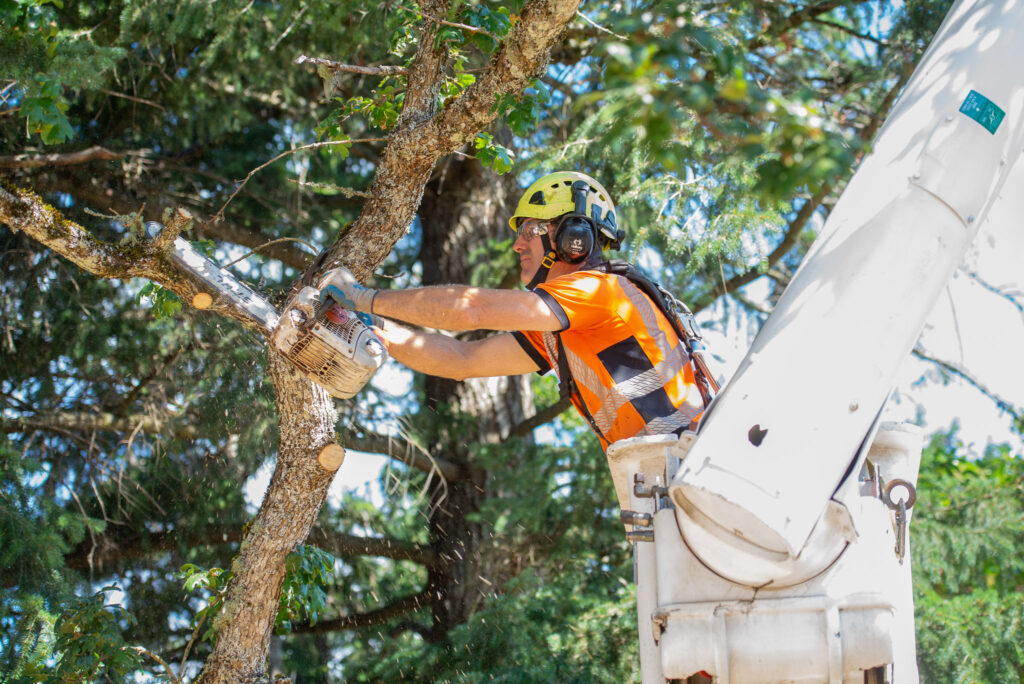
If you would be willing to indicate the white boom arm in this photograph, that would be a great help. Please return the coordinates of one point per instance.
(773, 549)
(824, 362)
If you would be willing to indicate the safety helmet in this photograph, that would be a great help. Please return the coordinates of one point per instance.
(553, 195)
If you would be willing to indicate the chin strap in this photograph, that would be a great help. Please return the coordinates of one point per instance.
(545, 264)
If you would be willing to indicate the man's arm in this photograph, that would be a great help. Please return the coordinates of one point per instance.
(458, 307)
(447, 357)
(448, 307)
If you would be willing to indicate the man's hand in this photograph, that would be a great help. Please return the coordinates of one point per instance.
(340, 285)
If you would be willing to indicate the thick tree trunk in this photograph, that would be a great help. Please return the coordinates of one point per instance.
(463, 209)
(296, 492)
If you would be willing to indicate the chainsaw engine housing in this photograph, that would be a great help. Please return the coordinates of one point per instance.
(336, 350)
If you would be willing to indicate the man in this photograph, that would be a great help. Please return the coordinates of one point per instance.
(615, 353)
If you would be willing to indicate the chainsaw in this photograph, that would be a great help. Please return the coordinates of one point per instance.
(333, 346)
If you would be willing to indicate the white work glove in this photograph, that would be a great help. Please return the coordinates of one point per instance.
(340, 285)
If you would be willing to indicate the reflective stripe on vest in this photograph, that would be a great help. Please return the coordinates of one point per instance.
(611, 399)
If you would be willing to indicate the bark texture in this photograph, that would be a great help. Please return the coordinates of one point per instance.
(293, 499)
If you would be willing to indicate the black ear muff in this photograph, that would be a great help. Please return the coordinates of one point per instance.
(574, 238)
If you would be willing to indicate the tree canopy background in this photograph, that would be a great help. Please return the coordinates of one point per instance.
(382, 135)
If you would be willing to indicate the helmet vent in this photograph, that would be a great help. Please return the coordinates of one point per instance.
(538, 198)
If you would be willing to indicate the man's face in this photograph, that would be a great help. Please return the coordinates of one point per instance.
(530, 247)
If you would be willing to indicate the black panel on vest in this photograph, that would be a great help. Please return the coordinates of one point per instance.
(624, 359)
(654, 404)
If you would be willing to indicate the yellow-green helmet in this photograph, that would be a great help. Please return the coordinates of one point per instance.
(551, 196)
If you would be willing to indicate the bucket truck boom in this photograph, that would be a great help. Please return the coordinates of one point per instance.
(772, 547)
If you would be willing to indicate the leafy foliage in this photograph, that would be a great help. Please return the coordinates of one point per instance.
(308, 570)
(90, 641)
(492, 154)
(213, 583)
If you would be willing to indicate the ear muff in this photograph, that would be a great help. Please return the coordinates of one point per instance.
(574, 238)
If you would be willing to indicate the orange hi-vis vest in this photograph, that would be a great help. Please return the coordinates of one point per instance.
(630, 369)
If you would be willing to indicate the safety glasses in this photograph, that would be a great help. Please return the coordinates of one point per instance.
(531, 228)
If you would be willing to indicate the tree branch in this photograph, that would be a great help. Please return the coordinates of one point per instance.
(110, 549)
(421, 138)
(63, 422)
(794, 20)
(367, 619)
(542, 417)
(1016, 412)
(382, 70)
(866, 134)
(152, 375)
(1012, 297)
(344, 544)
(31, 161)
(788, 240)
(24, 211)
(153, 656)
(464, 27)
(408, 453)
(311, 146)
(228, 231)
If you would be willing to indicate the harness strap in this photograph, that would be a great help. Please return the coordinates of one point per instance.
(567, 387)
(679, 317)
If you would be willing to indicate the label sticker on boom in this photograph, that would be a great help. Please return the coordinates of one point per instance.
(983, 110)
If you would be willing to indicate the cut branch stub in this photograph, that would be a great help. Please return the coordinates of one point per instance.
(331, 457)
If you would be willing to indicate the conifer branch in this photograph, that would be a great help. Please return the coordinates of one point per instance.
(866, 134)
(1015, 412)
(311, 146)
(132, 98)
(343, 544)
(81, 421)
(408, 453)
(789, 239)
(32, 161)
(119, 545)
(379, 70)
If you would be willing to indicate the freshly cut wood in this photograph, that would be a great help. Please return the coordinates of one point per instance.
(331, 457)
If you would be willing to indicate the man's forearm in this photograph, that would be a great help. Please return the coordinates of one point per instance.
(446, 307)
(429, 353)
(458, 307)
